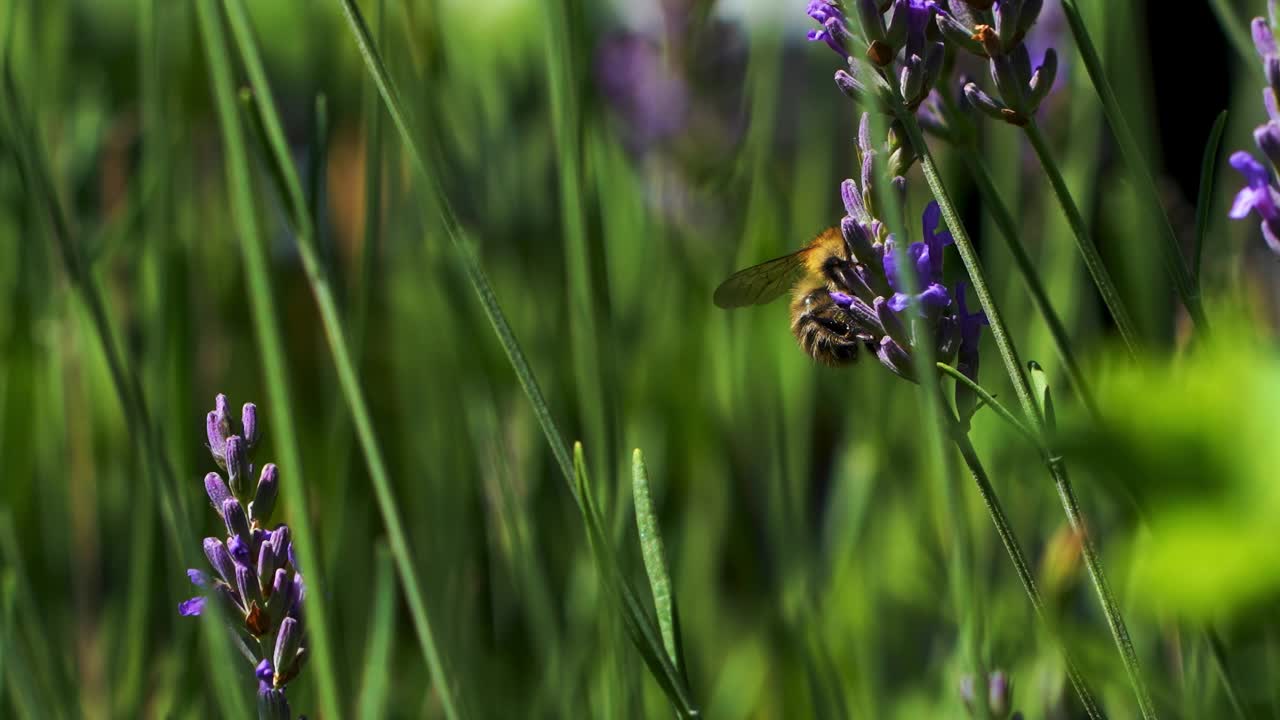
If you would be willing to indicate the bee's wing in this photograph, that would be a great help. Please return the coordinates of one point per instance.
(761, 283)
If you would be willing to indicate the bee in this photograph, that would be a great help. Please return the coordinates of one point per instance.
(822, 328)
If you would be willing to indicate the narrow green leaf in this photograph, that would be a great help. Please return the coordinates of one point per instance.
(1175, 264)
(640, 627)
(1005, 413)
(1040, 383)
(1204, 199)
(1237, 31)
(372, 702)
(655, 562)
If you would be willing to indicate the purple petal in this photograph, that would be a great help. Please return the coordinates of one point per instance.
(1243, 203)
(899, 302)
(1252, 170)
(935, 296)
(1263, 39)
(198, 578)
(844, 300)
(192, 607)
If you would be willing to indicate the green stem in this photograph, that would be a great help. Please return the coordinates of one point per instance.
(1005, 413)
(1010, 541)
(1175, 264)
(1110, 608)
(1088, 250)
(1003, 217)
(1027, 399)
(343, 362)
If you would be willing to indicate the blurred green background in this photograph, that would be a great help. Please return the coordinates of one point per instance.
(612, 163)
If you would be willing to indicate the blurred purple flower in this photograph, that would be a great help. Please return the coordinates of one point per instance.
(651, 98)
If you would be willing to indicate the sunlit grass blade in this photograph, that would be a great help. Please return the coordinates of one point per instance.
(271, 344)
(1204, 198)
(655, 563)
(372, 700)
(1026, 268)
(1175, 264)
(640, 627)
(13, 674)
(585, 326)
(1236, 30)
(466, 252)
(1084, 241)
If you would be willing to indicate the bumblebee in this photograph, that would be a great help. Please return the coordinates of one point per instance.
(821, 327)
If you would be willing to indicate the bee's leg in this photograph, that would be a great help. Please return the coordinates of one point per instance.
(833, 326)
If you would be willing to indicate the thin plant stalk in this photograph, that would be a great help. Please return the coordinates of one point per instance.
(1026, 398)
(1084, 240)
(1010, 541)
(1175, 263)
(994, 204)
(330, 319)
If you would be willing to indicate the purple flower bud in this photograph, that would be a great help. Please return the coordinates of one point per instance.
(957, 33)
(894, 357)
(1263, 39)
(198, 578)
(216, 490)
(264, 671)
(893, 326)
(999, 694)
(983, 102)
(249, 424)
(272, 704)
(288, 640)
(236, 521)
(247, 585)
(192, 607)
(266, 565)
(264, 498)
(220, 559)
(237, 465)
(1267, 136)
(239, 550)
(282, 597)
(1042, 80)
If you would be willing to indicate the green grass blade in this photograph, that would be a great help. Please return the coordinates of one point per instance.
(1237, 33)
(343, 362)
(1175, 265)
(466, 251)
(1084, 241)
(1003, 217)
(639, 625)
(1204, 199)
(271, 345)
(372, 701)
(584, 329)
(655, 563)
(13, 673)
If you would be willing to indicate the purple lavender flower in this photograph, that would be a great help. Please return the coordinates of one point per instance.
(998, 701)
(897, 308)
(1261, 192)
(899, 46)
(257, 585)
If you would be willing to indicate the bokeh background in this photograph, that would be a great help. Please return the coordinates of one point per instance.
(613, 162)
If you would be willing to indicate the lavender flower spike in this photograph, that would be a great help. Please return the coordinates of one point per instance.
(256, 585)
(1261, 192)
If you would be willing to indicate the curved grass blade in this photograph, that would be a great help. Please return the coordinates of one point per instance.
(374, 687)
(639, 625)
(1005, 413)
(301, 218)
(466, 251)
(1237, 34)
(1204, 198)
(655, 563)
(1175, 265)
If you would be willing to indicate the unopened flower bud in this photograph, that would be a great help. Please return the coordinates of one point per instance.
(237, 465)
(249, 424)
(264, 497)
